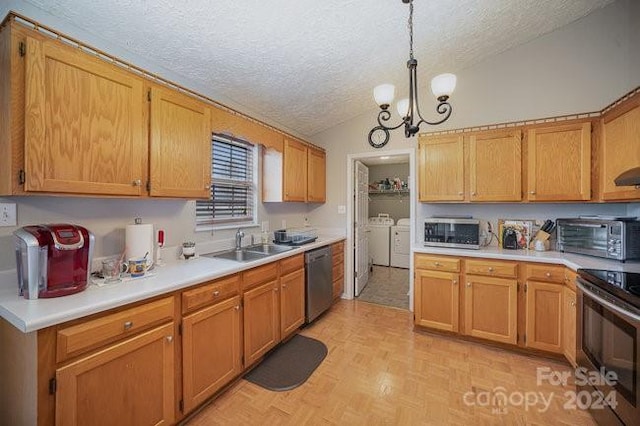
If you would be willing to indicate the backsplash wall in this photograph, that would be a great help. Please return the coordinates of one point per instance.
(493, 212)
(107, 218)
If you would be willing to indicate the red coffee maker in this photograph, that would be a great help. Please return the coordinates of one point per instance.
(53, 260)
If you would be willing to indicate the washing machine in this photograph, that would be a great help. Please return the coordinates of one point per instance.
(400, 244)
(380, 239)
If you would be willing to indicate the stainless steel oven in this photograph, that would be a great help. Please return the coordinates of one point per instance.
(608, 332)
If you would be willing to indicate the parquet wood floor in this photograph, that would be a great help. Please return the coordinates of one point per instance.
(380, 372)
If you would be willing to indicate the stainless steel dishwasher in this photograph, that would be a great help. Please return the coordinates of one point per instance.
(319, 285)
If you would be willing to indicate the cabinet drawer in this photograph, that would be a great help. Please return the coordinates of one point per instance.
(570, 278)
(213, 292)
(261, 274)
(437, 263)
(291, 264)
(491, 268)
(91, 334)
(338, 258)
(542, 272)
(337, 271)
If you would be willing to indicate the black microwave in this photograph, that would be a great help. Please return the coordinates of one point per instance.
(452, 232)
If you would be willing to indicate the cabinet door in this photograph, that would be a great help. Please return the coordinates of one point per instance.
(559, 163)
(491, 308)
(211, 350)
(436, 300)
(544, 316)
(569, 315)
(84, 127)
(291, 302)
(440, 168)
(295, 171)
(180, 146)
(316, 185)
(495, 166)
(620, 150)
(143, 393)
(261, 321)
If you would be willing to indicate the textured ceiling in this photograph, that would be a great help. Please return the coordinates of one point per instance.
(310, 64)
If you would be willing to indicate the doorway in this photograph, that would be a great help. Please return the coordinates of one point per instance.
(389, 195)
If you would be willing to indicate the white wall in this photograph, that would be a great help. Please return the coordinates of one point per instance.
(581, 67)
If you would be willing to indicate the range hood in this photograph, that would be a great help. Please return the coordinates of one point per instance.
(629, 178)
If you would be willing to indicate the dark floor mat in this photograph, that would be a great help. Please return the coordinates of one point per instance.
(290, 365)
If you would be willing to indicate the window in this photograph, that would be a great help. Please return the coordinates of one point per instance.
(233, 187)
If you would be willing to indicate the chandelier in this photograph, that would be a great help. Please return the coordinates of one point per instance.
(442, 86)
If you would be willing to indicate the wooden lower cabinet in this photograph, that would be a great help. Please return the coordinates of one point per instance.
(337, 274)
(437, 299)
(211, 350)
(128, 383)
(291, 302)
(544, 316)
(490, 308)
(569, 315)
(261, 320)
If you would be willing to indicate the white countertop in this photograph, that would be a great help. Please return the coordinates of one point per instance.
(32, 315)
(573, 261)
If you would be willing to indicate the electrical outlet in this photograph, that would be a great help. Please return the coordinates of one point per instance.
(342, 209)
(284, 224)
(265, 226)
(8, 215)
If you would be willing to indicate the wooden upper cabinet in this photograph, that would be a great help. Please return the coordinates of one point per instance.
(441, 168)
(559, 163)
(495, 166)
(316, 175)
(84, 123)
(180, 145)
(295, 171)
(620, 149)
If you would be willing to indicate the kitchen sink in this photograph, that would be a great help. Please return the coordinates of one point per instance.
(238, 255)
(267, 249)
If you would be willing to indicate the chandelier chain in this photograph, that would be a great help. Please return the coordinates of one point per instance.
(410, 25)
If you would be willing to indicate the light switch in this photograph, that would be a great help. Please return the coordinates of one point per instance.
(8, 215)
(342, 209)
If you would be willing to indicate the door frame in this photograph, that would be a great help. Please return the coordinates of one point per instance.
(350, 258)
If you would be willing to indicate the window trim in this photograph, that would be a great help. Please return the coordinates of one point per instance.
(211, 226)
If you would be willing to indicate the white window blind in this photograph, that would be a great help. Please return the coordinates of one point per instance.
(233, 195)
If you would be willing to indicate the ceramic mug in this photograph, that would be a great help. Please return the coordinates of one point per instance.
(137, 266)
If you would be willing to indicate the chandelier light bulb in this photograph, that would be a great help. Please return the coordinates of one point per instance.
(443, 85)
(403, 107)
(384, 94)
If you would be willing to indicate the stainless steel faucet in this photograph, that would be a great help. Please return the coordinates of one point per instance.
(239, 236)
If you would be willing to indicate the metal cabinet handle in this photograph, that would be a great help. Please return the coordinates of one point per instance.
(275, 290)
(436, 263)
(532, 192)
(460, 193)
(548, 274)
(468, 284)
(490, 269)
(137, 182)
(237, 307)
(128, 325)
(455, 282)
(572, 303)
(474, 193)
(207, 187)
(216, 293)
(169, 339)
